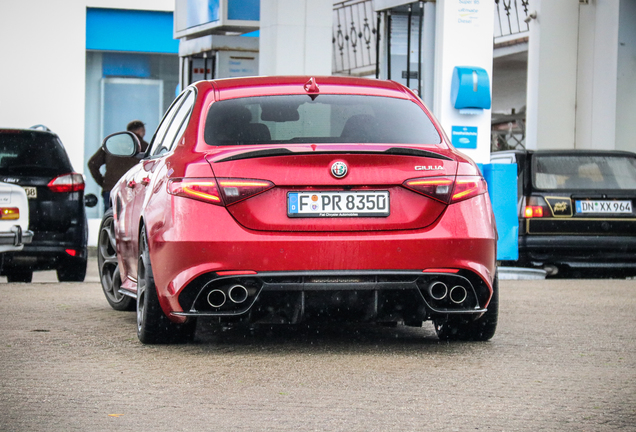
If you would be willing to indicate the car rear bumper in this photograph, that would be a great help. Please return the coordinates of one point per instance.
(579, 251)
(15, 237)
(184, 251)
(44, 255)
(288, 297)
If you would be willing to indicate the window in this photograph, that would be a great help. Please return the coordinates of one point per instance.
(321, 119)
(584, 172)
(177, 126)
(157, 139)
(32, 153)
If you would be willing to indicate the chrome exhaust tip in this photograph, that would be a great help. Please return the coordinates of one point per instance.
(437, 290)
(238, 293)
(216, 298)
(458, 294)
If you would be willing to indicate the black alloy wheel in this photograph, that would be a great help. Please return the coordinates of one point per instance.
(153, 326)
(109, 267)
(461, 328)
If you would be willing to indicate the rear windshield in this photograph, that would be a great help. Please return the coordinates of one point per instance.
(584, 172)
(32, 153)
(323, 119)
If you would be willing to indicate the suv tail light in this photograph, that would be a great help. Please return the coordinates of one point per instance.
(72, 182)
(448, 189)
(9, 213)
(535, 207)
(222, 191)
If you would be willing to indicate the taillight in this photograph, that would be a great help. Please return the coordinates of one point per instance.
(438, 188)
(446, 189)
(535, 207)
(73, 182)
(201, 189)
(9, 213)
(235, 190)
(218, 191)
(468, 187)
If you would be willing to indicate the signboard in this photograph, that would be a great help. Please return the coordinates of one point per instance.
(464, 137)
(203, 17)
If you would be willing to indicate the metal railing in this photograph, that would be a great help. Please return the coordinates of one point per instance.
(508, 132)
(510, 18)
(354, 37)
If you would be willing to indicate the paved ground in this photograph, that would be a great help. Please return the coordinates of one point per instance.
(563, 359)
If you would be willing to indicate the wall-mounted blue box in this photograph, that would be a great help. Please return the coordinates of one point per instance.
(470, 89)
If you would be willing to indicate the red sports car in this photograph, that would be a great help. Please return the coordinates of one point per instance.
(282, 199)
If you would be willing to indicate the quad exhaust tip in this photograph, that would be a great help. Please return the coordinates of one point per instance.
(216, 298)
(437, 290)
(458, 294)
(238, 294)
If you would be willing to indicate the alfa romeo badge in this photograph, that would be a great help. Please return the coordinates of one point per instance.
(339, 169)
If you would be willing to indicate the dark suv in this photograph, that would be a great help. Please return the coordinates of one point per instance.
(36, 160)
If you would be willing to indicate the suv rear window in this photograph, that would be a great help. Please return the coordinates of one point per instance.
(321, 119)
(584, 172)
(32, 153)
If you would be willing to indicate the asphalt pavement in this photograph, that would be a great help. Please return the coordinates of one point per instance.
(563, 359)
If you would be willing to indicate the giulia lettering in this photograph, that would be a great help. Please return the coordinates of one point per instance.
(428, 168)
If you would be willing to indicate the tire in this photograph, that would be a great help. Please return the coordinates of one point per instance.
(153, 326)
(109, 266)
(455, 327)
(19, 275)
(72, 270)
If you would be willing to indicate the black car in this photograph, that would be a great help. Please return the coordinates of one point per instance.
(36, 160)
(577, 210)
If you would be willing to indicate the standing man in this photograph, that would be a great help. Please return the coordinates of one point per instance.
(116, 166)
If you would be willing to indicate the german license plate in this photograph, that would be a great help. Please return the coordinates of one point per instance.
(338, 204)
(31, 192)
(611, 207)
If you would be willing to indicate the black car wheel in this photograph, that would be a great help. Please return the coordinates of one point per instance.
(72, 270)
(456, 327)
(109, 267)
(19, 275)
(153, 326)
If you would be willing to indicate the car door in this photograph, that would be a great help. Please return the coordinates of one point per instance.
(144, 180)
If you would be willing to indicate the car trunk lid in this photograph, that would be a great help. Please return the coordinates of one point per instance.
(373, 173)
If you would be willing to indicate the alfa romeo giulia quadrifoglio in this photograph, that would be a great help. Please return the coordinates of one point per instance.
(278, 200)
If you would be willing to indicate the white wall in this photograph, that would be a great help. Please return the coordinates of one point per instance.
(509, 82)
(43, 52)
(552, 74)
(461, 44)
(597, 75)
(626, 78)
(295, 37)
(43, 69)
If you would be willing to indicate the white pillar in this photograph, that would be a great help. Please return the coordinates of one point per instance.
(295, 37)
(626, 85)
(552, 75)
(463, 37)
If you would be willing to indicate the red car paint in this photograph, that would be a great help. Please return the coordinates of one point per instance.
(190, 240)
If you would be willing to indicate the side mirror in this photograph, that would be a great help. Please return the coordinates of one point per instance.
(90, 200)
(124, 144)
